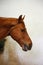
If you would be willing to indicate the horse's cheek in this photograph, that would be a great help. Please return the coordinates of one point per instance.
(13, 34)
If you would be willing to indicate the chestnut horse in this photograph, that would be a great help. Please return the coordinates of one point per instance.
(15, 27)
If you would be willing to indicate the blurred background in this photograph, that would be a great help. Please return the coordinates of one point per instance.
(33, 11)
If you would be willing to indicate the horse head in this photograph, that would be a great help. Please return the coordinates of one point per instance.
(19, 33)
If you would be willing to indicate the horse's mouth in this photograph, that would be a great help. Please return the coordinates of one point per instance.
(27, 47)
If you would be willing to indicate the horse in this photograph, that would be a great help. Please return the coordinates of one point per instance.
(15, 27)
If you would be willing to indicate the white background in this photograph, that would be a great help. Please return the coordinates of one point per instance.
(33, 11)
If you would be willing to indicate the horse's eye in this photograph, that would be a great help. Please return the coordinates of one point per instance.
(23, 30)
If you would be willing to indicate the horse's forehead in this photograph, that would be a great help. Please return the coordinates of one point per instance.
(21, 25)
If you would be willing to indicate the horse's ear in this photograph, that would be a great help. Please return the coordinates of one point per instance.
(21, 18)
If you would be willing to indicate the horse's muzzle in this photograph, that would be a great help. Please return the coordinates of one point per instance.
(27, 47)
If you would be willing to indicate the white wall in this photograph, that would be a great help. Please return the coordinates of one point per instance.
(33, 9)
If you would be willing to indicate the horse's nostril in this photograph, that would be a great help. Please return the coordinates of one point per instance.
(30, 46)
(27, 47)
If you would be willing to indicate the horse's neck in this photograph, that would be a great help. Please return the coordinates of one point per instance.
(8, 21)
